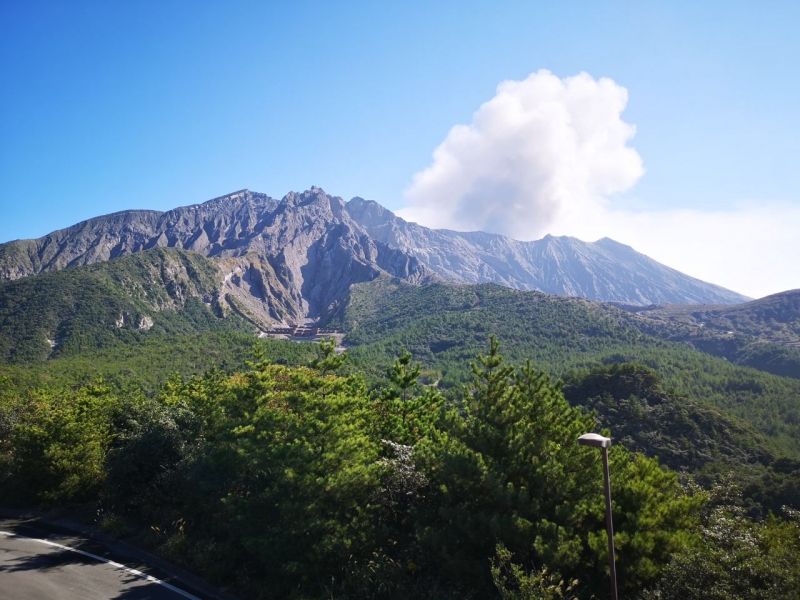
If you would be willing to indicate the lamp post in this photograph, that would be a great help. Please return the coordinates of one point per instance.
(598, 441)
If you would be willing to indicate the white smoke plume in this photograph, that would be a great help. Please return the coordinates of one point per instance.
(542, 147)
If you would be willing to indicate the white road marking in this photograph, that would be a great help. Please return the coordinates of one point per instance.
(116, 565)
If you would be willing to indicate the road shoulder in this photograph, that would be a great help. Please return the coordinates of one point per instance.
(38, 524)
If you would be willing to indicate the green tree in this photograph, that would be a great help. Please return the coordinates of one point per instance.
(515, 583)
(403, 375)
(305, 466)
(56, 443)
(510, 471)
(328, 359)
(407, 412)
(736, 557)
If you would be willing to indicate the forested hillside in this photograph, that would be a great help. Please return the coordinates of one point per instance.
(443, 326)
(66, 313)
(764, 334)
(298, 482)
(125, 391)
(149, 362)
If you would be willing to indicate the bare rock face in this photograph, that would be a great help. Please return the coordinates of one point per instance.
(288, 261)
(604, 270)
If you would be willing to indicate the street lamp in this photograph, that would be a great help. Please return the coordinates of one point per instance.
(598, 441)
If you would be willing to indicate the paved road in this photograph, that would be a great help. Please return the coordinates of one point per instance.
(44, 564)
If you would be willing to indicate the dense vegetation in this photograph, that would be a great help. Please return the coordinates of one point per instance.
(770, 319)
(764, 334)
(686, 436)
(149, 362)
(411, 476)
(66, 313)
(159, 298)
(300, 482)
(443, 326)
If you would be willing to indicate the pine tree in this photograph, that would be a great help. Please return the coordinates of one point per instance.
(328, 360)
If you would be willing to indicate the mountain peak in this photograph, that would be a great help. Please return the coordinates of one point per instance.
(607, 242)
(369, 212)
(315, 246)
(322, 205)
(237, 195)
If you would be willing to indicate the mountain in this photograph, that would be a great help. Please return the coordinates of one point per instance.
(604, 270)
(294, 259)
(280, 262)
(764, 333)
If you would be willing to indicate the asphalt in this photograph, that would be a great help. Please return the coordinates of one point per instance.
(42, 561)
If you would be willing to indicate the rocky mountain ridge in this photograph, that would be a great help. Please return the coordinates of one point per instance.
(604, 270)
(286, 262)
(292, 261)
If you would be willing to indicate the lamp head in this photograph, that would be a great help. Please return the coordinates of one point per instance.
(594, 439)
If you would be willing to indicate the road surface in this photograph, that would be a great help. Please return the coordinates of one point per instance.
(41, 563)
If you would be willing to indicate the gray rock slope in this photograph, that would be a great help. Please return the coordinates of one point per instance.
(293, 260)
(604, 270)
(282, 262)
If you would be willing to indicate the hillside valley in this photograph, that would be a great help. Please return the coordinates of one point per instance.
(445, 326)
(135, 380)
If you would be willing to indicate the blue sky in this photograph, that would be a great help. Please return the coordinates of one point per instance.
(115, 105)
